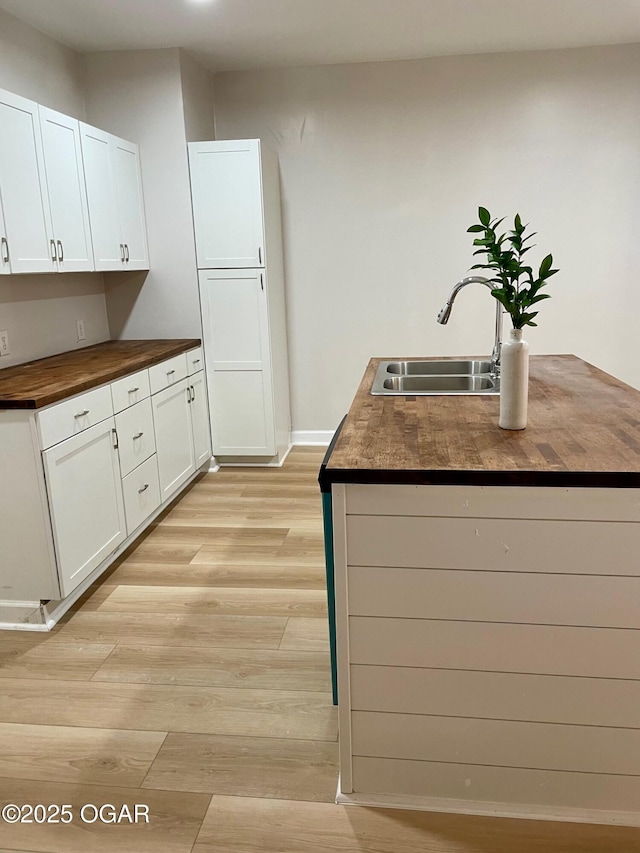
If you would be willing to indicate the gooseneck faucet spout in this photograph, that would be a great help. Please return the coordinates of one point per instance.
(445, 313)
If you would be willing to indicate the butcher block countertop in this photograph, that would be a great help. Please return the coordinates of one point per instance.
(583, 430)
(48, 380)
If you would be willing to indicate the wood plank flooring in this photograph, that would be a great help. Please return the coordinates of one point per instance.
(195, 679)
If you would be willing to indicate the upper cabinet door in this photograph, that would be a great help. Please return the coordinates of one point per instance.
(23, 188)
(126, 170)
(5, 267)
(108, 249)
(67, 192)
(227, 204)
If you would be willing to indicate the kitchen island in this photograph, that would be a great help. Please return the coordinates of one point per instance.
(488, 599)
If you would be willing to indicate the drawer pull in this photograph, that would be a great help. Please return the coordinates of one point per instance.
(139, 435)
(196, 361)
(133, 390)
(170, 372)
(82, 414)
(143, 489)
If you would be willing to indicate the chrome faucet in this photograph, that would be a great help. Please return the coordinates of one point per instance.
(445, 313)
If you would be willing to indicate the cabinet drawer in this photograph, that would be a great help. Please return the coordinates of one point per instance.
(74, 415)
(168, 372)
(136, 440)
(195, 360)
(141, 493)
(130, 390)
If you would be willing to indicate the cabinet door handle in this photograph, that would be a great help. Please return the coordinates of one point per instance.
(193, 394)
(188, 393)
(116, 443)
(122, 252)
(260, 255)
(126, 248)
(82, 414)
(170, 372)
(5, 250)
(133, 390)
(143, 489)
(139, 435)
(60, 251)
(54, 257)
(261, 282)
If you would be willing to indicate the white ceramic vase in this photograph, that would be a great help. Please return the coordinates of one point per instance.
(514, 381)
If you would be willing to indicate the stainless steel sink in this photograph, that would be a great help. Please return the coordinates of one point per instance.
(438, 368)
(435, 377)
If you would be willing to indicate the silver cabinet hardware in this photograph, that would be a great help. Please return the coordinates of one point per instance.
(54, 257)
(196, 361)
(193, 393)
(126, 248)
(133, 390)
(122, 252)
(5, 250)
(116, 443)
(188, 393)
(143, 489)
(170, 372)
(60, 251)
(261, 282)
(260, 255)
(82, 414)
(139, 435)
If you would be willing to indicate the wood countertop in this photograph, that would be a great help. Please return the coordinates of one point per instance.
(583, 430)
(49, 380)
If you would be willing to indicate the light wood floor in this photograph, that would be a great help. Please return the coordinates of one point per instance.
(195, 680)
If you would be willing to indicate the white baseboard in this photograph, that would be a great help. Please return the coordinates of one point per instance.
(312, 438)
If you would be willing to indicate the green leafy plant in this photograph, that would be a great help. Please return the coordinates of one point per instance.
(516, 286)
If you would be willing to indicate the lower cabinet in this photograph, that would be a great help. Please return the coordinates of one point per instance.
(181, 420)
(141, 489)
(85, 501)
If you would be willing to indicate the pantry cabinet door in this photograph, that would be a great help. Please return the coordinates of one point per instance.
(67, 191)
(23, 187)
(238, 362)
(174, 437)
(108, 250)
(85, 501)
(126, 170)
(226, 189)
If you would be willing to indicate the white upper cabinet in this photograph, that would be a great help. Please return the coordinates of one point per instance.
(116, 209)
(226, 189)
(5, 269)
(29, 241)
(66, 190)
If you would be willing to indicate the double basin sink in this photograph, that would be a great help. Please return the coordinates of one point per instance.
(435, 377)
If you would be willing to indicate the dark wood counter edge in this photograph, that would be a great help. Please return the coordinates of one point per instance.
(557, 479)
(173, 348)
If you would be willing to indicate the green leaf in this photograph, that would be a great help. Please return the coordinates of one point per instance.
(484, 216)
(475, 228)
(517, 224)
(545, 266)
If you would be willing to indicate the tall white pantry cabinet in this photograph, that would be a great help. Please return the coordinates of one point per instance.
(235, 186)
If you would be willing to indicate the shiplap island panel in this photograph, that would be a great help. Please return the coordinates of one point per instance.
(488, 630)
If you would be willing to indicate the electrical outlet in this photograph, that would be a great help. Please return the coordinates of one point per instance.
(80, 329)
(4, 343)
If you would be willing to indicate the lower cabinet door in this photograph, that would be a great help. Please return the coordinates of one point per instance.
(85, 501)
(174, 437)
(200, 419)
(141, 493)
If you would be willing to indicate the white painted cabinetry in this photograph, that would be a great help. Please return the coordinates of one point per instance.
(66, 191)
(85, 499)
(116, 208)
(29, 233)
(236, 205)
(83, 476)
(5, 269)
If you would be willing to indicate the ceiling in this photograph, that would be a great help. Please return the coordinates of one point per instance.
(250, 34)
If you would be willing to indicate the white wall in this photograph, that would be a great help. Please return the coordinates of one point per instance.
(383, 166)
(40, 311)
(197, 99)
(138, 95)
